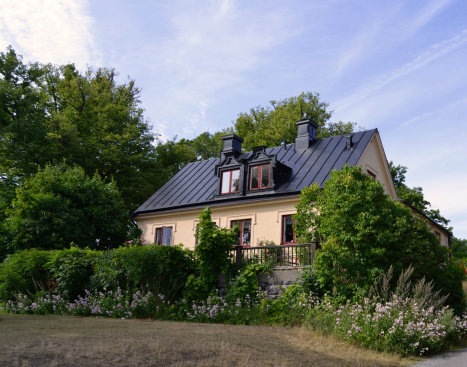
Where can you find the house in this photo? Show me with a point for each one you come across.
(257, 190)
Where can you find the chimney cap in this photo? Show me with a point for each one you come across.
(306, 120)
(232, 137)
(306, 133)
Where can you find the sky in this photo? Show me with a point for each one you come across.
(396, 65)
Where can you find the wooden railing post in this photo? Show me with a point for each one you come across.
(238, 255)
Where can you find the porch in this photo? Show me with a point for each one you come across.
(280, 257)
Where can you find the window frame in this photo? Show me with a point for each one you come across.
(260, 170)
(229, 171)
(161, 231)
(233, 222)
(371, 174)
(294, 241)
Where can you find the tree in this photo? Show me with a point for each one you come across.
(363, 232)
(50, 113)
(61, 205)
(459, 248)
(414, 196)
(273, 124)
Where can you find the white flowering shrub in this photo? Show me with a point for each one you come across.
(398, 326)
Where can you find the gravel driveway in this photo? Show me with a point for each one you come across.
(457, 358)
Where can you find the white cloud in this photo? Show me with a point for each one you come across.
(49, 31)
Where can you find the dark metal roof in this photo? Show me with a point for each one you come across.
(196, 183)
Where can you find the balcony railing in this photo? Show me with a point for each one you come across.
(278, 256)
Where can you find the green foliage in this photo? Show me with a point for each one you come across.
(414, 196)
(212, 254)
(60, 205)
(161, 269)
(289, 309)
(72, 270)
(305, 219)
(50, 113)
(245, 284)
(172, 155)
(459, 248)
(309, 282)
(24, 272)
(448, 278)
(363, 232)
(271, 125)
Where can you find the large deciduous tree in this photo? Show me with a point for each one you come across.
(61, 205)
(48, 114)
(272, 125)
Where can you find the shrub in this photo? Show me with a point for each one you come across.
(309, 281)
(72, 270)
(60, 205)
(363, 232)
(245, 284)
(161, 269)
(24, 272)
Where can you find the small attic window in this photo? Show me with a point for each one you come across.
(371, 174)
(230, 182)
(259, 177)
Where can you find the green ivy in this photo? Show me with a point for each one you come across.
(246, 283)
(212, 255)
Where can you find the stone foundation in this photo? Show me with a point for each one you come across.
(272, 284)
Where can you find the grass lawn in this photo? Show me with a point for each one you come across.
(28, 340)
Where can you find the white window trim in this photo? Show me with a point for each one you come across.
(170, 224)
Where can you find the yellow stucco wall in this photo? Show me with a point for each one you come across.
(374, 160)
(265, 216)
(443, 237)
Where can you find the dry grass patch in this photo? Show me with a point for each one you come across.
(28, 340)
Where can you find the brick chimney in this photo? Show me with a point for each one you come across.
(306, 133)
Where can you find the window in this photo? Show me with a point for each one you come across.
(288, 235)
(438, 235)
(163, 236)
(259, 177)
(371, 174)
(244, 238)
(230, 182)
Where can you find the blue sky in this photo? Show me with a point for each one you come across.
(399, 66)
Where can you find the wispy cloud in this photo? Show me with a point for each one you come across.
(210, 50)
(432, 8)
(430, 54)
(424, 116)
(49, 31)
(373, 31)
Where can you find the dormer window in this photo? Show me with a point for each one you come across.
(230, 182)
(259, 177)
